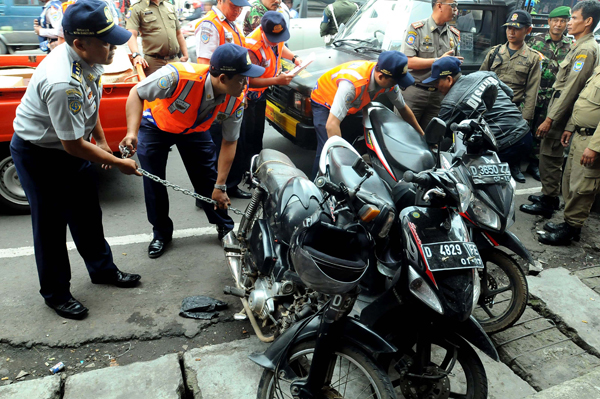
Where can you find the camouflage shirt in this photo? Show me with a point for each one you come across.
(553, 53)
(255, 14)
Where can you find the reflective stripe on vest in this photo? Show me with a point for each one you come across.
(223, 26)
(266, 57)
(180, 113)
(356, 72)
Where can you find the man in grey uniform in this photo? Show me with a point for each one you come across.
(425, 42)
(52, 153)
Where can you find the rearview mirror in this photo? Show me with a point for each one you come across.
(435, 131)
(360, 167)
(489, 96)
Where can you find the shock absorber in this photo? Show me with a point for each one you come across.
(257, 196)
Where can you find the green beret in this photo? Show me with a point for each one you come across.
(560, 12)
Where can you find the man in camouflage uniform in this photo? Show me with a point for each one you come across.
(554, 46)
(259, 8)
(573, 72)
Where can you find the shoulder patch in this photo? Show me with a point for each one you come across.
(239, 112)
(455, 31)
(411, 37)
(74, 104)
(417, 25)
(76, 72)
(578, 66)
(163, 82)
(581, 56)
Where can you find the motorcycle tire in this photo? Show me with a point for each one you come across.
(359, 367)
(510, 299)
(453, 356)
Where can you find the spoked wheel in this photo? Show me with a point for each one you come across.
(504, 292)
(454, 371)
(355, 376)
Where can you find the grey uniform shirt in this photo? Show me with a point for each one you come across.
(61, 101)
(346, 92)
(150, 89)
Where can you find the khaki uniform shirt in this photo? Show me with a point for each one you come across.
(586, 111)
(424, 39)
(158, 25)
(522, 73)
(574, 71)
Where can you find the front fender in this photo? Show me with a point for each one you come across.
(354, 333)
(508, 240)
(473, 332)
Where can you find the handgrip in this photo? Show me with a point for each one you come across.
(420, 179)
(327, 186)
(461, 128)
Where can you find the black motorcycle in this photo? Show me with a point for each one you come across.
(395, 147)
(426, 283)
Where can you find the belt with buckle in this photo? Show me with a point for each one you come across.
(585, 131)
(158, 57)
(423, 87)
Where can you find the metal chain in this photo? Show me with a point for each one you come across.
(125, 152)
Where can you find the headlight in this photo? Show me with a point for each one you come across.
(485, 215)
(387, 225)
(464, 196)
(476, 287)
(423, 291)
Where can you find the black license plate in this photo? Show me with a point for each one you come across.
(490, 173)
(452, 255)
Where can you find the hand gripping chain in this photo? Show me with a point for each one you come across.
(125, 154)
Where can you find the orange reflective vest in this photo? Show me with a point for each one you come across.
(180, 112)
(266, 56)
(356, 72)
(227, 34)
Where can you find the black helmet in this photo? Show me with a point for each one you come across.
(329, 259)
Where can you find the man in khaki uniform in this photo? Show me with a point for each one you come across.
(519, 67)
(162, 39)
(574, 71)
(581, 180)
(425, 42)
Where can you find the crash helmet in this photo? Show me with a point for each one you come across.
(329, 259)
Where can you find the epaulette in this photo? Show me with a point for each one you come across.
(417, 25)
(455, 31)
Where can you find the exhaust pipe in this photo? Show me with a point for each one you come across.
(233, 254)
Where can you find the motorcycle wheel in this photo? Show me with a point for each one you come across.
(504, 292)
(355, 376)
(465, 375)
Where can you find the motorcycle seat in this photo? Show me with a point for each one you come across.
(404, 148)
(274, 169)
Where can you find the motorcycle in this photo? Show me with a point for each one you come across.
(395, 147)
(294, 271)
(426, 280)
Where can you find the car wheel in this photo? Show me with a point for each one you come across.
(12, 195)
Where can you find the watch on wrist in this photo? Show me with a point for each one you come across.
(294, 58)
(134, 55)
(222, 187)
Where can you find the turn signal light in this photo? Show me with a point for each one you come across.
(368, 212)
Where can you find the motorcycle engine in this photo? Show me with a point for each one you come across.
(261, 298)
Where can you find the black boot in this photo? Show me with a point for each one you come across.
(562, 236)
(552, 227)
(538, 198)
(534, 171)
(515, 171)
(545, 207)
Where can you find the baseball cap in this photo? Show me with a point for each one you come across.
(274, 26)
(560, 12)
(241, 3)
(231, 58)
(519, 19)
(444, 66)
(92, 18)
(395, 65)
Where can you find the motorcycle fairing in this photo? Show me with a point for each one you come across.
(333, 141)
(472, 331)
(507, 239)
(353, 331)
(397, 144)
(261, 247)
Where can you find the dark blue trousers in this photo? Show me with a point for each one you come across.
(351, 128)
(200, 159)
(517, 152)
(238, 167)
(61, 190)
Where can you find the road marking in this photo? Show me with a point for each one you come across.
(115, 241)
(526, 191)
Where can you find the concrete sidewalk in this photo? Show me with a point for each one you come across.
(212, 372)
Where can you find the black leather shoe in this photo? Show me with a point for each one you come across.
(562, 236)
(72, 309)
(554, 201)
(157, 248)
(552, 227)
(222, 231)
(534, 171)
(515, 171)
(120, 279)
(236, 192)
(538, 208)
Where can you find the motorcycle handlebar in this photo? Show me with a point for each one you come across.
(326, 185)
(461, 128)
(420, 178)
